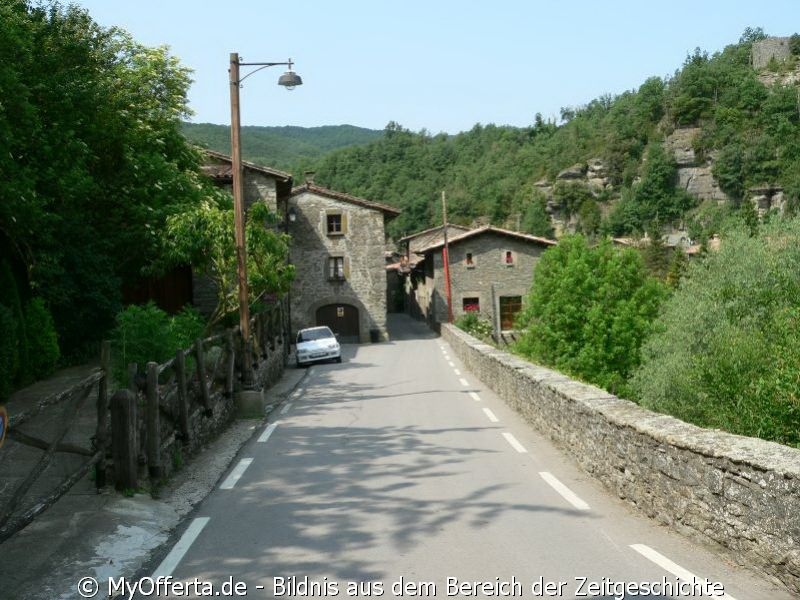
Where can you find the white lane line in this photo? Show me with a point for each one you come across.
(267, 432)
(450, 362)
(565, 492)
(237, 472)
(475, 396)
(297, 393)
(464, 381)
(666, 564)
(514, 443)
(457, 372)
(490, 414)
(286, 408)
(175, 555)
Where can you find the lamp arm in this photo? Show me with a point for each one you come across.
(261, 67)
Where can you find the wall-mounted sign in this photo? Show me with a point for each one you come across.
(340, 311)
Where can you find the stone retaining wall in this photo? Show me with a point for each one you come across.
(738, 493)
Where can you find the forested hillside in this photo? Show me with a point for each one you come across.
(744, 125)
(280, 147)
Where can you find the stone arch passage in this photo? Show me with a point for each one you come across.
(343, 319)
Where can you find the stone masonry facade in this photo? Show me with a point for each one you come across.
(480, 269)
(738, 494)
(361, 281)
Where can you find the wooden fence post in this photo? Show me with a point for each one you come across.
(133, 370)
(124, 445)
(101, 435)
(183, 404)
(230, 371)
(153, 423)
(201, 375)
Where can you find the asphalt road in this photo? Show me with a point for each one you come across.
(399, 466)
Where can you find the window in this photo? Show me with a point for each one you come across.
(336, 268)
(469, 260)
(509, 307)
(471, 304)
(336, 224)
(508, 258)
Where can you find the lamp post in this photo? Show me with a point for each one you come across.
(289, 80)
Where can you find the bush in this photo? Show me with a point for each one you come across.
(473, 324)
(727, 346)
(146, 333)
(43, 351)
(9, 297)
(8, 352)
(589, 310)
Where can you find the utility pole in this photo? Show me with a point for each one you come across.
(446, 260)
(238, 219)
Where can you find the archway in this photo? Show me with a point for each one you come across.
(342, 319)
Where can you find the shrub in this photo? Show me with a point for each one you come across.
(8, 352)
(43, 351)
(146, 333)
(589, 310)
(473, 324)
(727, 346)
(9, 297)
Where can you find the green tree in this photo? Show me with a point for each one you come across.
(589, 310)
(93, 159)
(204, 237)
(725, 350)
(536, 219)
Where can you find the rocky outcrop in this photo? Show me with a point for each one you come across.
(693, 176)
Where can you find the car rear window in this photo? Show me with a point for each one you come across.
(314, 334)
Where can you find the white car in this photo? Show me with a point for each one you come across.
(317, 343)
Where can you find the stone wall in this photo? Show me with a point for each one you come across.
(489, 269)
(362, 247)
(739, 494)
(767, 49)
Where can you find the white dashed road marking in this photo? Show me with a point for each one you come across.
(175, 555)
(565, 492)
(666, 564)
(286, 408)
(457, 372)
(267, 432)
(514, 443)
(236, 474)
(491, 416)
(475, 396)
(464, 381)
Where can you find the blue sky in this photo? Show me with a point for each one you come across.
(439, 65)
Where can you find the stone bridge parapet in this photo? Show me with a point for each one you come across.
(736, 493)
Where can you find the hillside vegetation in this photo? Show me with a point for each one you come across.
(280, 147)
(748, 132)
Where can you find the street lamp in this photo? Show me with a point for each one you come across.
(289, 80)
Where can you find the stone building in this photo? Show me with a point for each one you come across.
(491, 272)
(338, 249)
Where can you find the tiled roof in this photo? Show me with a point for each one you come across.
(223, 171)
(489, 229)
(432, 230)
(316, 189)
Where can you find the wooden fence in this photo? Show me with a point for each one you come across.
(154, 424)
(179, 404)
(14, 512)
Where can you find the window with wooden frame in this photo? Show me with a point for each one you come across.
(509, 258)
(336, 270)
(469, 260)
(510, 306)
(335, 223)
